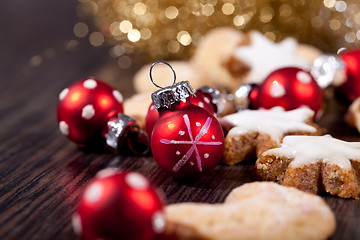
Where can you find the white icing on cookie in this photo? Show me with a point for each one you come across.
(264, 56)
(312, 149)
(275, 122)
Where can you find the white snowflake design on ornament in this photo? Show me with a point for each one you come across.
(193, 142)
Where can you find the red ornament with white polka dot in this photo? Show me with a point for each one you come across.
(90, 113)
(289, 88)
(119, 205)
(186, 140)
(351, 86)
(200, 99)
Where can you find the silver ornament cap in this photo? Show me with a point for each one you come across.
(328, 70)
(126, 137)
(241, 96)
(166, 97)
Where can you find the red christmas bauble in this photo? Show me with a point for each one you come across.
(351, 87)
(84, 109)
(289, 88)
(186, 140)
(119, 205)
(200, 99)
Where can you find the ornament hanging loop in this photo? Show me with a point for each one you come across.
(151, 68)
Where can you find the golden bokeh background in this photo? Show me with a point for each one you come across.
(171, 29)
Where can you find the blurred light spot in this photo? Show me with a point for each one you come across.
(239, 20)
(173, 46)
(184, 38)
(96, 39)
(49, 53)
(334, 24)
(117, 51)
(184, 13)
(266, 14)
(124, 62)
(139, 9)
(358, 34)
(357, 18)
(350, 37)
(228, 8)
(115, 28)
(207, 10)
(35, 60)
(145, 33)
(340, 6)
(317, 22)
(329, 3)
(71, 45)
(81, 29)
(134, 35)
(270, 35)
(126, 26)
(171, 12)
(285, 10)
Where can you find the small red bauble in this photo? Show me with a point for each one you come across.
(288, 87)
(351, 87)
(119, 205)
(200, 99)
(186, 140)
(84, 109)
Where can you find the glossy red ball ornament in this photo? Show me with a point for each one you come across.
(84, 109)
(351, 87)
(200, 99)
(186, 140)
(289, 88)
(119, 205)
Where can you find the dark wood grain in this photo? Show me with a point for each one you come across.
(42, 173)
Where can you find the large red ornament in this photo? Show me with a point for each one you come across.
(186, 140)
(200, 99)
(90, 112)
(289, 88)
(351, 87)
(119, 205)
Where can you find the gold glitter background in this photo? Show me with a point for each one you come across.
(161, 29)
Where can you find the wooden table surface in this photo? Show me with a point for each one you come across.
(41, 172)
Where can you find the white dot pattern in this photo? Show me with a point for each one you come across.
(94, 192)
(158, 222)
(118, 96)
(177, 153)
(198, 124)
(181, 133)
(76, 224)
(107, 172)
(90, 84)
(136, 180)
(201, 104)
(303, 77)
(63, 94)
(88, 111)
(207, 100)
(64, 128)
(206, 155)
(277, 90)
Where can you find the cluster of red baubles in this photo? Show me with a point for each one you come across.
(186, 141)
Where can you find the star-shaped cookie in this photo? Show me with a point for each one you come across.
(255, 131)
(264, 56)
(314, 164)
